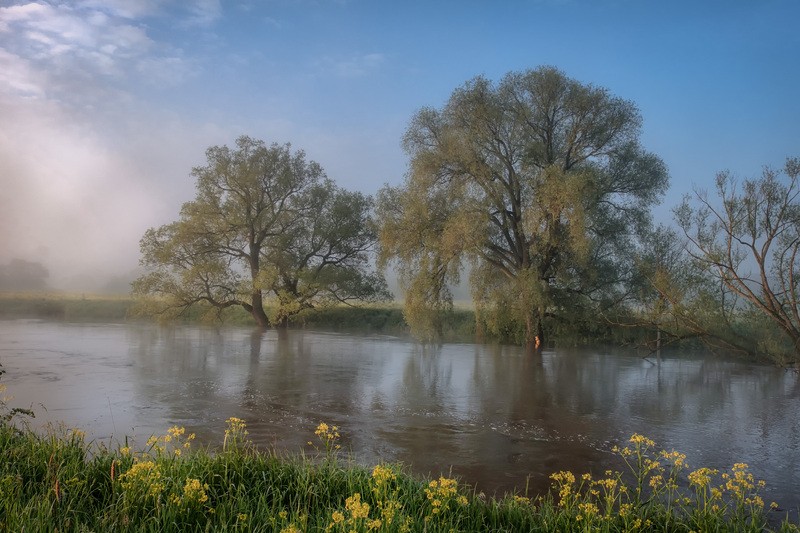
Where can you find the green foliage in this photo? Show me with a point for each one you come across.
(265, 224)
(58, 482)
(538, 183)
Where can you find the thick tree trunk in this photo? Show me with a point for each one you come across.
(258, 310)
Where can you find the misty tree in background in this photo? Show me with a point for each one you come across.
(748, 240)
(267, 230)
(22, 275)
(539, 183)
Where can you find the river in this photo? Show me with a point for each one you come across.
(495, 416)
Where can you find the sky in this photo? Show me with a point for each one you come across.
(106, 105)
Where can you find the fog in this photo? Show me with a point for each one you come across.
(94, 149)
(77, 203)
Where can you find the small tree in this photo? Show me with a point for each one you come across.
(265, 224)
(749, 241)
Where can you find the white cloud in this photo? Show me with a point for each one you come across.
(204, 12)
(18, 78)
(70, 45)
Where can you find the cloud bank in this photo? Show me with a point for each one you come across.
(85, 165)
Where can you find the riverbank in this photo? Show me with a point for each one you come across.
(458, 325)
(59, 482)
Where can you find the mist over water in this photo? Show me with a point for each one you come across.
(493, 415)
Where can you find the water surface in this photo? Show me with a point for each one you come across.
(495, 416)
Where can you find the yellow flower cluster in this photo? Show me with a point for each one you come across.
(701, 477)
(382, 475)
(235, 434)
(656, 482)
(387, 512)
(143, 478)
(328, 435)
(357, 508)
(194, 491)
(440, 492)
(677, 459)
(641, 440)
(173, 438)
(564, 482)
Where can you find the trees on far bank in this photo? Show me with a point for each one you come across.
(537, 186)
(266, 227)
(539, 183)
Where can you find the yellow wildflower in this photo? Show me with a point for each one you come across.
(588, 509)
(382, 474)
(357, 508)
(701, 477)
(193, 491)
(641, 440)
(676, 458)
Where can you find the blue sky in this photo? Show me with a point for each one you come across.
(106, 105)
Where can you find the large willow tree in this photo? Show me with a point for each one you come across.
(539, 183)
(266, 227)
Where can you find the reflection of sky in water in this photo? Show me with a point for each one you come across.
(492, 414)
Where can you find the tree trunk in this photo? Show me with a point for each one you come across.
(534, 333)
(258, 310)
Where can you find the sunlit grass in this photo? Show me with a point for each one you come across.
(58, 481)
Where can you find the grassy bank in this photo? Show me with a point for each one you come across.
(58, 306)
(386, 318)
(58, 482)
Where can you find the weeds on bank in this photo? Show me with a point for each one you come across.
(54, 481)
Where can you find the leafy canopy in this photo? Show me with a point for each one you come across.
(265, 223)
(538, 182)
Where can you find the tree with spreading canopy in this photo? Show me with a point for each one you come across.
(747, 240)
(266, 227)
(539, 183)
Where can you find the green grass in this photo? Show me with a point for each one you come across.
(57, 306)
(56, 481)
